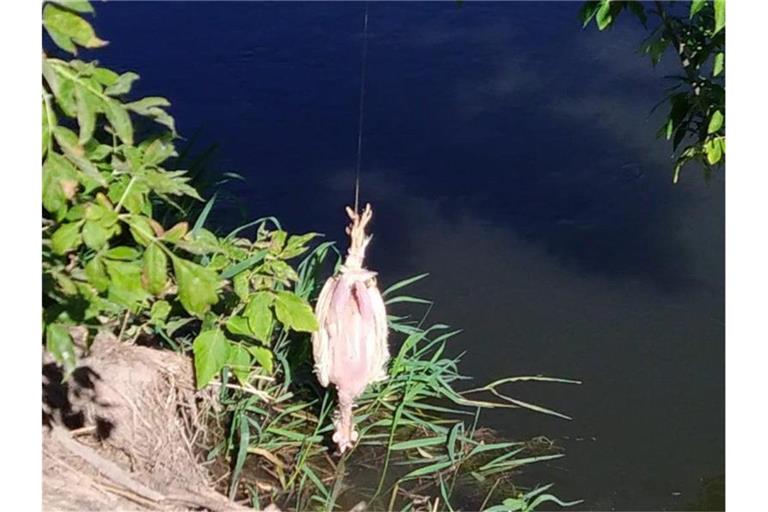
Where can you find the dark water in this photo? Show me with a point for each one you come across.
(511, 155)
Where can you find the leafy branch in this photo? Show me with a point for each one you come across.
(696, 120)
(108, 263)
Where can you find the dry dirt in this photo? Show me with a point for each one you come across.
(122, 433)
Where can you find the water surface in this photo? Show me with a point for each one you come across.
(511, 155)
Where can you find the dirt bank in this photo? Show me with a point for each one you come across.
(123, 433)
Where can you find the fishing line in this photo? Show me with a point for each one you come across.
(364, 61)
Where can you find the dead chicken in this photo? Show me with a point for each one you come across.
(350, 348)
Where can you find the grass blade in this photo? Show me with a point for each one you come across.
(200, 222)
(403, 283)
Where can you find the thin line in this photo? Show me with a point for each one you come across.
(362, 104)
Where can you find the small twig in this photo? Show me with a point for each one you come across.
(82, 431)
(247, 389)
(125, 324)
(393, 496)
(490, 493)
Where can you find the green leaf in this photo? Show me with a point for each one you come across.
(696, 6)
(155, 269)
(67, 238)
(120, 120)
(715, 122)
(159, 312)
(162, 117)
(94, 271)
(49, 123)
(93, 211)
(51, 77)
(177, 232)
(141, 229)
(59, 182)
(719, 64)
(587, 12)
(668, 129)
(158, 151)
(296, 245)
(678, 166)
(125, 284)
(144, 105)
(241, 286)
(76, 5)
(278, 241)
(122, 84)
(67, 140)
(259, 315)
(77, 212)
(54, 199)
(153, 107)
(59, 344)
(170, 182)
(198, 286)
(295, 312)
(239, 361)
(66, 28)
(719, 15)
(105, 76)
(282, 271)
(62, 41)
(65, 95)
(656, 48)
(239, 325)
(88, 105)
(713, 150)
(109, 220)
(211, 350)
(199, 247)
(95, 235)
(66, 284)
(263, 356)
(123, 253)
(132, 158)
(603, 16)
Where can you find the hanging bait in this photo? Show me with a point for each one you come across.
(350, 348)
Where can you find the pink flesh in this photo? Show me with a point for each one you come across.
(354, 320)
(352, 314)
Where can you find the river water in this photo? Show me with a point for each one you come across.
(511, 155)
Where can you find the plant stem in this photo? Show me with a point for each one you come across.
(125, 194)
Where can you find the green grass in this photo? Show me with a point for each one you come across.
(421, 441)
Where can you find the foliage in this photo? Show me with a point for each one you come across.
(695, 32)
(529, 501)
(108, 262)
(420, 438)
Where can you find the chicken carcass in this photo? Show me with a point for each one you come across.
(350, 348)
